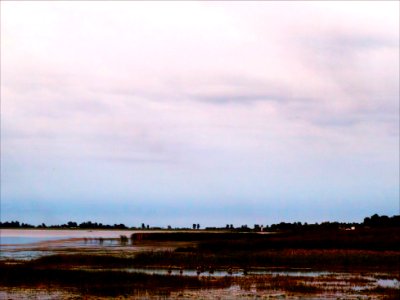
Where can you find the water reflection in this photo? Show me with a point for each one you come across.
(31, 244)
(226, 272)
(34, 247)
(372, 279)
(388, 283)
(20, 240)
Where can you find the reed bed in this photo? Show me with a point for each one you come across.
(360, 260)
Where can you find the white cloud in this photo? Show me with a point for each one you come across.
(274, 91)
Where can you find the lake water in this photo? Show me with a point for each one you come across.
(33, 243)
(17, 236)
(20, 240)
(224, 272)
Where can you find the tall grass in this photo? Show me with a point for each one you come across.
(291, 258)
(106, 283)
(362, 239)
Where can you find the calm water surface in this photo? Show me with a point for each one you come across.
(20, 240)
(31, 243)
(39, 235)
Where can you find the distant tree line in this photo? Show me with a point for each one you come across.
(69, 225)
(15, 224)
(374, 221)
(369, 222)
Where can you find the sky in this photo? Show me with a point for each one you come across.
(174, 113)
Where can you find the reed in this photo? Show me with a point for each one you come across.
(104, 283)
(294, 258)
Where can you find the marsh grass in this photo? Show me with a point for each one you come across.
(361, 239)
(106, 283)
(387, 292)
(117, 283)
(71, 260)
(294, 284)
(317, 259)
(89, 274)
(334, 249)
(123, 239)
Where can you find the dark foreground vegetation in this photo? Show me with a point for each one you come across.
(361, 239)
(104, 283)
(328, 260)
(104, 276)
(372, 248)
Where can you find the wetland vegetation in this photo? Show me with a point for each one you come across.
(307, 261)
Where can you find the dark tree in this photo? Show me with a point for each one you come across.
(72, 224)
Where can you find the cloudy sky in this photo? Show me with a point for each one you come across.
(171, 113)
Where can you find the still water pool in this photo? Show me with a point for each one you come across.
(20, 240)
(33, 243)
